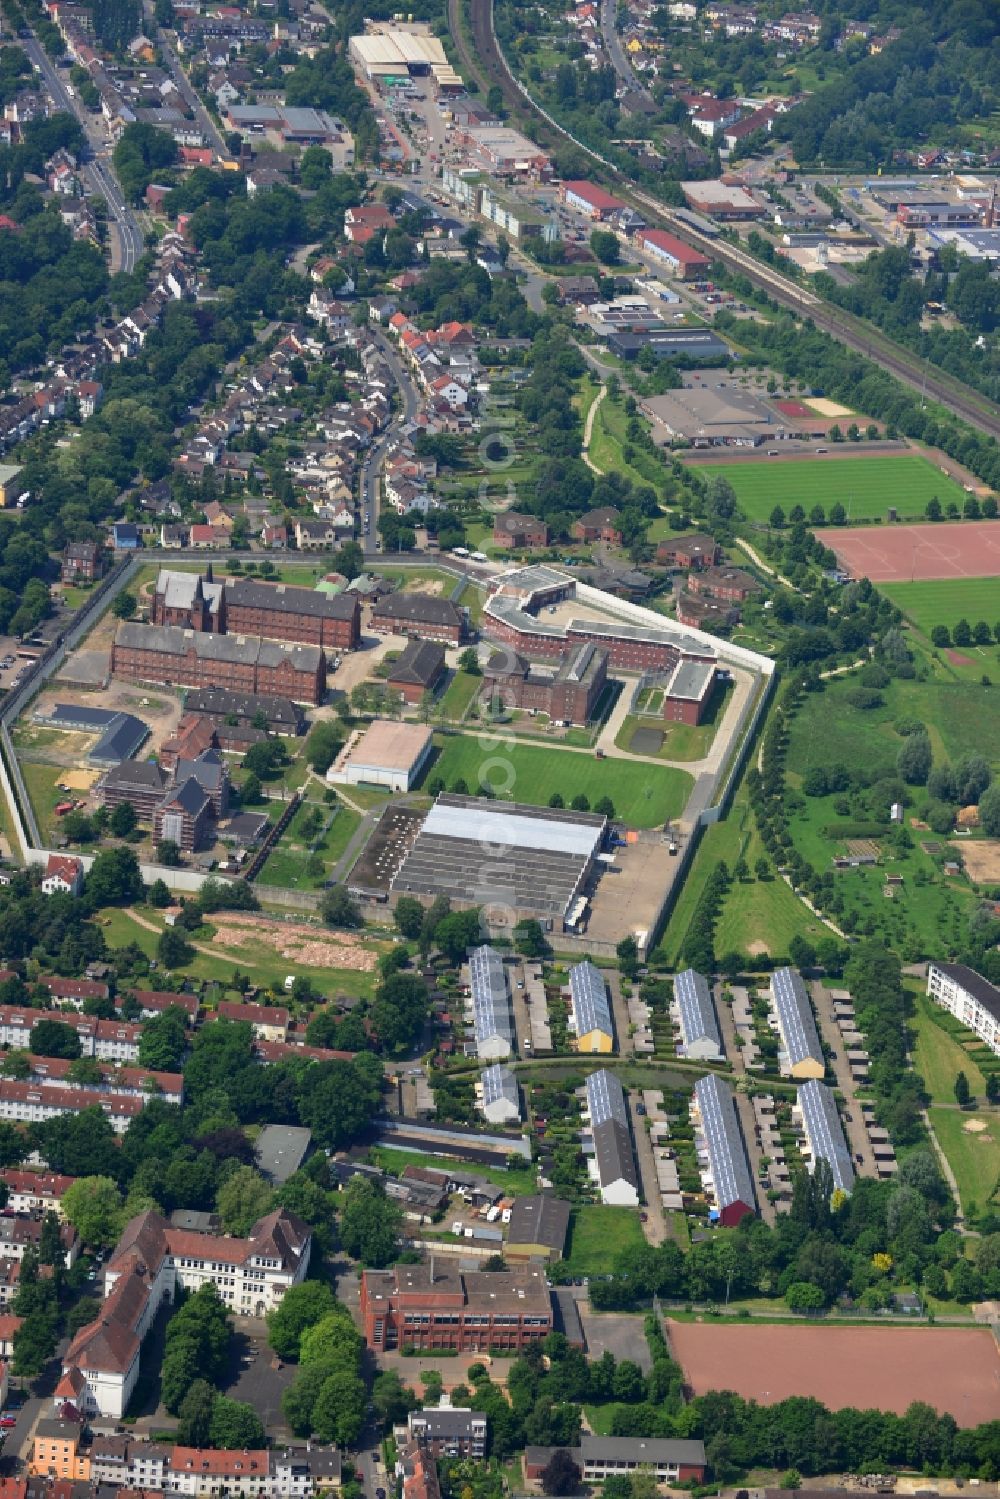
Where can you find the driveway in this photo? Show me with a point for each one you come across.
(854, 1127)
(655, 1226)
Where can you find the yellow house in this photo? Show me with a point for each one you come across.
(9, 488)
(590, 1012)
(800, 1043)
(56, 1451)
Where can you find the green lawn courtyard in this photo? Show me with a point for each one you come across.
(866, 487)
(643, 795)
(971, 1141)
(597, 1235)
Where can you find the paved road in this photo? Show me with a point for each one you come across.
(97, 172)
(655, 1226)
(206, 124)
(372, 467)
(616, 51)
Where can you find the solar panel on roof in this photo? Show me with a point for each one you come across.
(490, 1006)
(606, 1099)
(724, 1142)
(825, 1133)
(499, 1083)
(588, 992)
(795, 1017)
(697, 1012)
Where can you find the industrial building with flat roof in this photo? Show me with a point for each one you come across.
(613, 1161)
(501, 1098)
(801, 1053)
(390, 50)
(689, 691)
(590, 1010)
(120, 735)
(384, 754)
(697, 1021)
(516, 861)
(722, 1151)
(720, 416)
(490, 1003)
(824, 1133)
(538, 1228)
(720, 200)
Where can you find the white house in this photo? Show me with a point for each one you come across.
(969, 997)
(63, 875)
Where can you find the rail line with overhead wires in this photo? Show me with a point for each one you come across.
(489, 61)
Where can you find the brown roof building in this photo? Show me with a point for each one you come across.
(731, 584)
(436, 1306)
(420, 615)
(689, 552)
(418, 670)
(511, 529)
(602, 524)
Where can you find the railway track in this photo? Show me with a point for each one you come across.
(489, 62)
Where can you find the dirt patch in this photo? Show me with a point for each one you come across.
(974, 1126)
(425, 585)
(981, 857)
(757, 949)
(298, 943)
(957, 659)
(952, 1369)
(823, 407)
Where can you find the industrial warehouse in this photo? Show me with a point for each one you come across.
(516, 861)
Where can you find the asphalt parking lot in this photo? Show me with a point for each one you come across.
(254, 1377)
(620, 1333)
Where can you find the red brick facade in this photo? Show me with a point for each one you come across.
(414, 1306)
(514, 530)
(188, 669)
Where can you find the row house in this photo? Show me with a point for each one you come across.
(32, 1102)
(20, 1232)
(35, 1191)
(126, 1082)
(126, 1465)
(107, 1040)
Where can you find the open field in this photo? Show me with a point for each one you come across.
(597, 1234)
(981, 857)
(265, 950)
(866, 486)
(946, 601)
(459, 693)
(945, 551)
(882, 1368)
(971, 1141)
(643, 795)
(939, 1056)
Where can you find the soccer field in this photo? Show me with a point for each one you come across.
(643, 795)
(946, 601)
(866, 487)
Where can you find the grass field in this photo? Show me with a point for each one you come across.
(643, 795)
(682, 741)
(597, 1235)
(521, 1183)
(459, 694)
(939, 1057)
(946, 601)
(974, 1154)
(866, 487)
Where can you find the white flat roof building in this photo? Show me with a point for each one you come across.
(385, 754)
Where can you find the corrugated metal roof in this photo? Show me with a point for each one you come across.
(795, 1017)
(496, 824)
(825, 1133)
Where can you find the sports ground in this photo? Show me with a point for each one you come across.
(907, 554)
(954, 1369)
(945, 603)
(867, 487)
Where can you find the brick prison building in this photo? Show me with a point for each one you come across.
(420, 615)
(170, 656)
(436, 1306)
(244, 606)
(568, 692)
